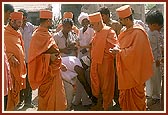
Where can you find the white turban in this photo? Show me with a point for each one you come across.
(82, 16)
(86, 60)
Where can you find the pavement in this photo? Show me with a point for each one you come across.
(155, 107)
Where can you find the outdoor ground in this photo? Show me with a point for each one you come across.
(155, 107)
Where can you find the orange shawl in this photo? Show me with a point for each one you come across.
(44, 75)
(14, 46)
(134, 62)
(102, 66)
(99, 44)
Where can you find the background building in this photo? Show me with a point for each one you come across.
(33, 10)
(140, 10)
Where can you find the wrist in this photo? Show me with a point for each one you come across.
(11, 56)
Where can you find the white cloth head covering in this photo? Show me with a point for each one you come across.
(86, 60)
(82, 16)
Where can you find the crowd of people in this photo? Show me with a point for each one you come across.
(102, 64)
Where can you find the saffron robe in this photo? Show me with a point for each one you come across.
(15, 47)
(45, 75)
(102, 66)
(134, 67)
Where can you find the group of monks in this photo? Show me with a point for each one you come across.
(130, 49)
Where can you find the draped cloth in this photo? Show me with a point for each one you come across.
(15, 47)
(7, 76)
(134, 67)
(45, 75)
(102, 66)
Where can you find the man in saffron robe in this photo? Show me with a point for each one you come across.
(116, 26)
(44, 64)
(102, 65)
(134, 62)
(15, 54)
(8, 9)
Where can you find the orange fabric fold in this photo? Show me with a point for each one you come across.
(102, 66)
(44, 75)
(131, 61)
(128, 98)
(99, 43)
(14, 46)
(134, 67)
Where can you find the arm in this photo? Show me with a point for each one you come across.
(52, 50)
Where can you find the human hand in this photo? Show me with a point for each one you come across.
(14, 61)
(114, 50)
(53, 56)
(63, 67)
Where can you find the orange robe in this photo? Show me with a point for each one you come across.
(43, 75)
(14, 46)
(102, 66)
(115, 25)
(134, 67)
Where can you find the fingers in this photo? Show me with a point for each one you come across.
(63, 68)
(54, 56)
(113, 51)
(14, 61)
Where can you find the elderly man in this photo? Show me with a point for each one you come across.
(134, 62)
(15, 54)
(102, 66)
(44, 63)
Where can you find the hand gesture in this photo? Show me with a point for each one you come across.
(14, 61)
(63, 67)
(114, 50)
